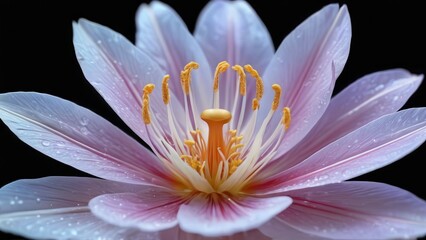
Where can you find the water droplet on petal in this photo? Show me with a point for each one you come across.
(84, 121)
(84, 131)
(45, 143)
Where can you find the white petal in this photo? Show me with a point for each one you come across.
(162, 35)
(78, 137)
(232, 31)
(306, 65)
(357, 210)
(150, 210)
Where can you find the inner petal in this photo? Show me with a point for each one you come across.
(219, 214)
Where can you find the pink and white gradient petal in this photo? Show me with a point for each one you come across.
(164, 37)
(367, 99)
(220, 215)
(118, 70)
(232, 31)
(278, 230)
(150, 210)
(356, 210)
(368, 148)
(80, 138)
(56, 208)
(306, 66)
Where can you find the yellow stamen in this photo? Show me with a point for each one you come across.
(234, 165)
(215, 118)
(232, 132)
(255, 104)
(276, 101)
(221, 67)
(145, 102)
(165, 89)
(185, 76)
(242, 78)
(259, 81)
(286, 117)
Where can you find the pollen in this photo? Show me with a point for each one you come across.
(145, 102)
(242, 79)
(221, 68)
(286, 117)
(165, 89)
(277, 96)
(259, 81)
(185, 76)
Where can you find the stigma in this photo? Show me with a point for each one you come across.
(225, 153)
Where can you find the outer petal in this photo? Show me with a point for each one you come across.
(277, 229)
(56, 208)
(372, 146)
(232, 31)
(367, 99)
(219, 215)
(162, 35)
(118, 70)
(150, 210)
(78, 137)
(357, 210)
(308, 63)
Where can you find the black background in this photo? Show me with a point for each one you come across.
(36, 54)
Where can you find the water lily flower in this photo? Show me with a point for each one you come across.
(244, 141)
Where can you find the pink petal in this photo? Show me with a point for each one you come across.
(370, 147)
(119, 71)
(232, 31)
(220, 215)
(306, 65)
(163, 36)
(177, 234)
(368, 98)
(56, 208)
(357, 210)
(150, 210)
(78, 137)
(277, 229)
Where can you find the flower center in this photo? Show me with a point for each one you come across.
(226, 161)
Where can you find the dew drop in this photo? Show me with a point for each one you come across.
(84, 131)
(84, 121)
(99, 42)
(379, 87)
(38, 199)
(45, 143)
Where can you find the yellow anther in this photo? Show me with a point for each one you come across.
(242, 78)
(221, 67)
(276, 101)
(165, 89)
(185, 76)
(235, 147)
(189, 143)
(187, 158)
(234, 165)
(259, 81)
(232, 132)
(145, 111)
(145, 102)
(255, 104)
(148, 89)
(286, 117)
